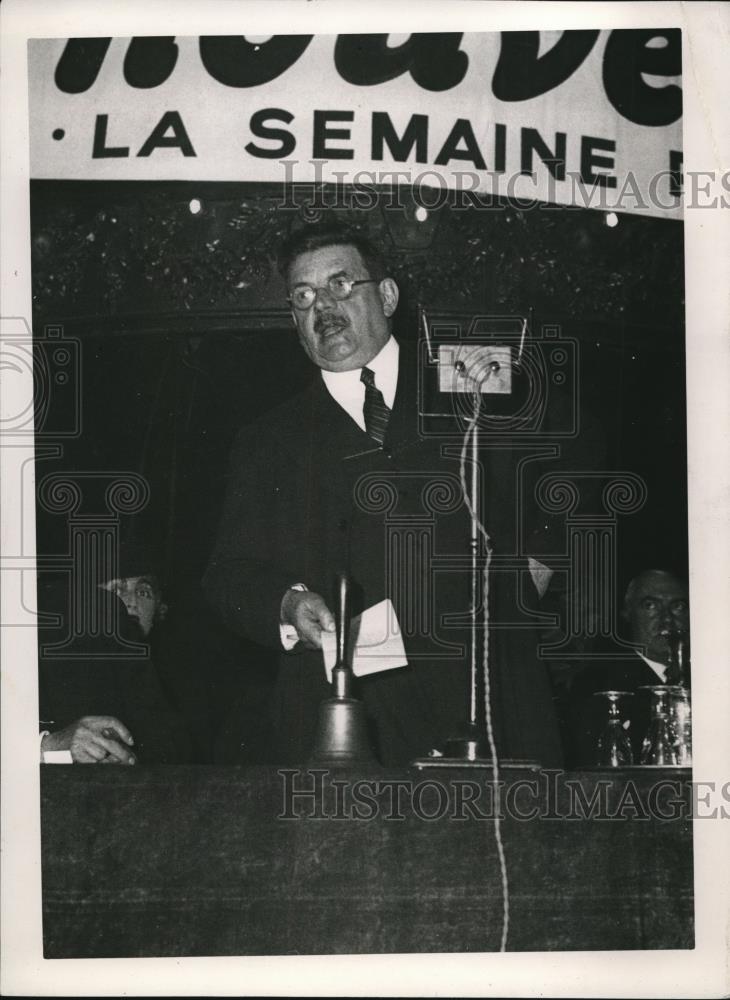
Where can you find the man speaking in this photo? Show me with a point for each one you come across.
(340, 478)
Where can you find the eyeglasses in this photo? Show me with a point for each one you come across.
(655, 604)
(339, 287)
(122, 589)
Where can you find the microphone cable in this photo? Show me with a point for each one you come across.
(471, 431)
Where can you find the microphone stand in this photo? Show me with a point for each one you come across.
(471, 745)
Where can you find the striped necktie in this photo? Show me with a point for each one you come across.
(374, 410)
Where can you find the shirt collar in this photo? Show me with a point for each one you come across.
(344, 386)
(659, 668)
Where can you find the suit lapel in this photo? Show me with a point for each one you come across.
(337, 432)
(403, 425)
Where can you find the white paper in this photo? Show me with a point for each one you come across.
(57, 757)
(374, 643)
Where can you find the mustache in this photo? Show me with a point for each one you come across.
(327, 321)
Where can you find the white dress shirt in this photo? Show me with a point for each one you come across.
(53, 756)
(347, 389)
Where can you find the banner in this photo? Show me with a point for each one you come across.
(585, 118)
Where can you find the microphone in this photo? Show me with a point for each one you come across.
(470, 368)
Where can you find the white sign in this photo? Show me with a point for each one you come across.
(586, 118)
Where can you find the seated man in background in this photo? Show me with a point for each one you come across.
(100, 695)
(655, 607)
(142, 598)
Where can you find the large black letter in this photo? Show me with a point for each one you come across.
(589, 159)
(80, 63)
(262, 131)
(158, 139)
(383, 134)
(100, 149)
(461, 132)
(532, 142)
(236, 62)
(321, 132)
(149, 61)
(521, 74)
(627, 56)
(434, 60)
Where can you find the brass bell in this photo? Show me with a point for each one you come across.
(342, 736)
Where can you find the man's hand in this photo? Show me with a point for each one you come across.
(308, 613)
(95, 739)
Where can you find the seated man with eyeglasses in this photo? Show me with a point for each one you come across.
(654, 616)
(101, 699)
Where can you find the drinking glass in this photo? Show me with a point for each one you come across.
(661, 743)
(681, 714)
(613, 748)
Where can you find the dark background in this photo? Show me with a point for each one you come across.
(185, 335)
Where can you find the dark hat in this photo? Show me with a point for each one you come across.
(133, 558)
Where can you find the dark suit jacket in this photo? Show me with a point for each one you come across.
(103, 674)
(310, 493)
(585, 715)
